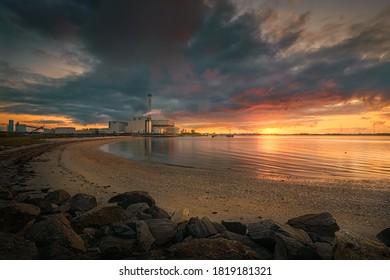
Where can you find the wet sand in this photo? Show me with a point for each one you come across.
(362, 206)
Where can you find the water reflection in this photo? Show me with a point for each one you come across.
(310, 156)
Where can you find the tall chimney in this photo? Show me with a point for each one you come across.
(149, 100)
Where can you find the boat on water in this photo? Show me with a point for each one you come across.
(230, 134)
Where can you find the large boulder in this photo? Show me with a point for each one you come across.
(82, 202)
(128, 198)
(200, 228)
(98, 217)
(163, 230)
(264, 232)
(262, 252)
(350, 246)
(320, 227)
(15, 216)
(211, 249)
(55, 229)
(144, 236)
(288, 248)
(15, 247)
(384, 236)
(236, 227)
(57, 197)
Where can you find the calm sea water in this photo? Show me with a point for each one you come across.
(345, 157)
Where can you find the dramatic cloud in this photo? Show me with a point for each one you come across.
(208, 63)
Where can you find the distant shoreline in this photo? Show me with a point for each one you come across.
(361, 206)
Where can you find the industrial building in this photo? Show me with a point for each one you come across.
(117, 126)
(147, 125)
(10, 127)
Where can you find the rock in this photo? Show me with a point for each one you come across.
(5, 194)
(288, 248)
(135, 210)
(45, 206)
(264, 232)
(163, 230)
(158, 213)
(219, 227)
(15, 216)
(113, 247)
(201, 228)
(144, 236)
(55, 229)
(262, 253)
(322, 225)
(82, 202)
(98, 217)
(350, 246)
(57, 197)
(15, 247)
(181, 216)
(128, 198)
(211, 249)
(23, 197)
(236, 227)
(384, 236)
(122, 230)
(324, 250)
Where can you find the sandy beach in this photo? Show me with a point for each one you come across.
(362, 206)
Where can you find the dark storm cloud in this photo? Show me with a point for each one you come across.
(51, 18)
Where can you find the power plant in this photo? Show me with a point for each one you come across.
(150, 123)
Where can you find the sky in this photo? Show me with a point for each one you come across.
(245, 66)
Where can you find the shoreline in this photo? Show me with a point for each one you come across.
(360, 206)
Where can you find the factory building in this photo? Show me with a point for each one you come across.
(10, 127)
(147, 125)
(20, 128)
(117, 126)
(64, 130)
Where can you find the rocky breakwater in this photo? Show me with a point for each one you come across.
(47, 224)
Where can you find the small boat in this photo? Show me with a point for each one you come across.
(229, 135)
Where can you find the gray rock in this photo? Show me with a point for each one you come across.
(135, 210)
(350, 246)
(321, 225)
(262, 252)
(158, 213)
(219, 227)
(15, 216)
(264, 232)
(23, 197)
(128, 198)
(55, 229)
(99, 217)
(122, 230)
(57, 197)
(5, 194)
(236, 227)
(113, 247)
(211, 249)
(288, 248)
(163, 230)
(384, 236)
(144, 236)
(15, 247)
(82, 202)
(200, 228)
